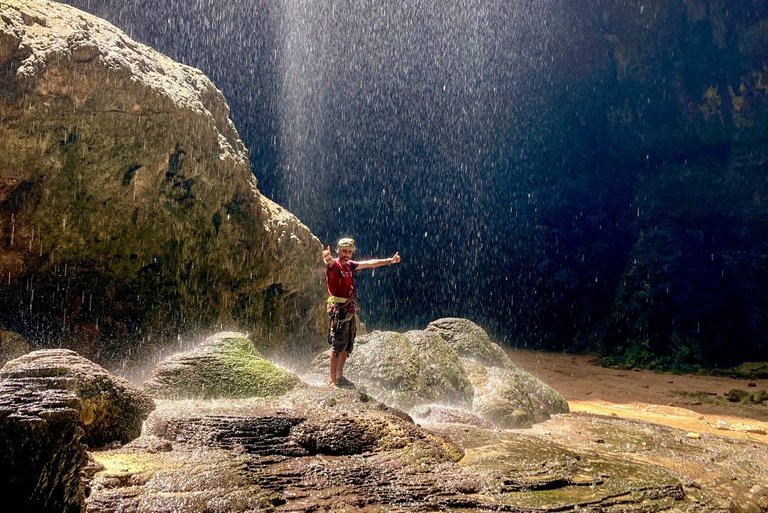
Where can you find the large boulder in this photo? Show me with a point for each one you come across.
(110, 408)
(505, 394)
(225, 365)
(406, 369)
(128, 211)
(451, 365)
(52, 403)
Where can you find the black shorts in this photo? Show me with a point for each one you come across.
(342, 332)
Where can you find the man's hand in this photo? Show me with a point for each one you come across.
(395, 258)
(327, 258)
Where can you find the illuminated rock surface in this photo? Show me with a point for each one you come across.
(128, 211)
(451, 363)
(225, 365)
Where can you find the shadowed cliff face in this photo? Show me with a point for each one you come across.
(572, 174)
(128, 213)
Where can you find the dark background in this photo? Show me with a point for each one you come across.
(572, 175)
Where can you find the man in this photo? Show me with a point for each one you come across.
(342, 302)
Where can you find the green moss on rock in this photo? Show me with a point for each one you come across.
(225, 365)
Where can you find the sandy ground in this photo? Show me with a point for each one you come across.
(694, 403)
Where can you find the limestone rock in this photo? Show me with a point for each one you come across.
(109, 408)
(306, 449)
(52, 403)
(406, 369)
(469, 340)
(12, 345)
(40, 448)
(452, 362)
(505, 394)
(225, 365)
(128, 211)
(323, 449)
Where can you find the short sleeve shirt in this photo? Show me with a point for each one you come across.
(339, 277)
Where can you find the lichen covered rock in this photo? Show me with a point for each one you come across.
(225, 365)
(406, 369)
(452, 363)
(504, 394)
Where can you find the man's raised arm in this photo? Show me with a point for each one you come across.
(378, 262)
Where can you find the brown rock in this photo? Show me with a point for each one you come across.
(52, 402)
(109, 408)
(128, 211)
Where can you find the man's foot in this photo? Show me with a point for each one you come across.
(332, 384)
(344, 382)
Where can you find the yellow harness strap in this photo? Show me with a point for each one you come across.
(337, 300)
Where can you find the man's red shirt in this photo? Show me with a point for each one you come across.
(340, 279)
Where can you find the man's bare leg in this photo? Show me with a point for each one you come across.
(342, 361)
(335, 361)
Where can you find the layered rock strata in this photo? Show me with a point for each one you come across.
(52, 403)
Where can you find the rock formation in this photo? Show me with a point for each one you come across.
(52, 403)
(110, 408)
(505, 395)
(322, 449)
(225, 365)
(451, 364)
(128, 212)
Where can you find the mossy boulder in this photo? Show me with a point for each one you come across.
(405, 369)
(225, 365)
(468, 340)
(452, 363)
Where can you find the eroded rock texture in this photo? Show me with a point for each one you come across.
(325, 449)
(128, 212)
(52, 403)
(110, 408)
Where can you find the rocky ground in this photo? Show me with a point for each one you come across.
(616, 451)
(214, 444)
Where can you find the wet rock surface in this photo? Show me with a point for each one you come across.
(109, 408)
(12, 345)
(129, 216)
(40, 448)
(225, 365)
(323, 449)
(451, 363)
(52, 403)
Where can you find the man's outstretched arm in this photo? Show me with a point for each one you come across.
(378, 262)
